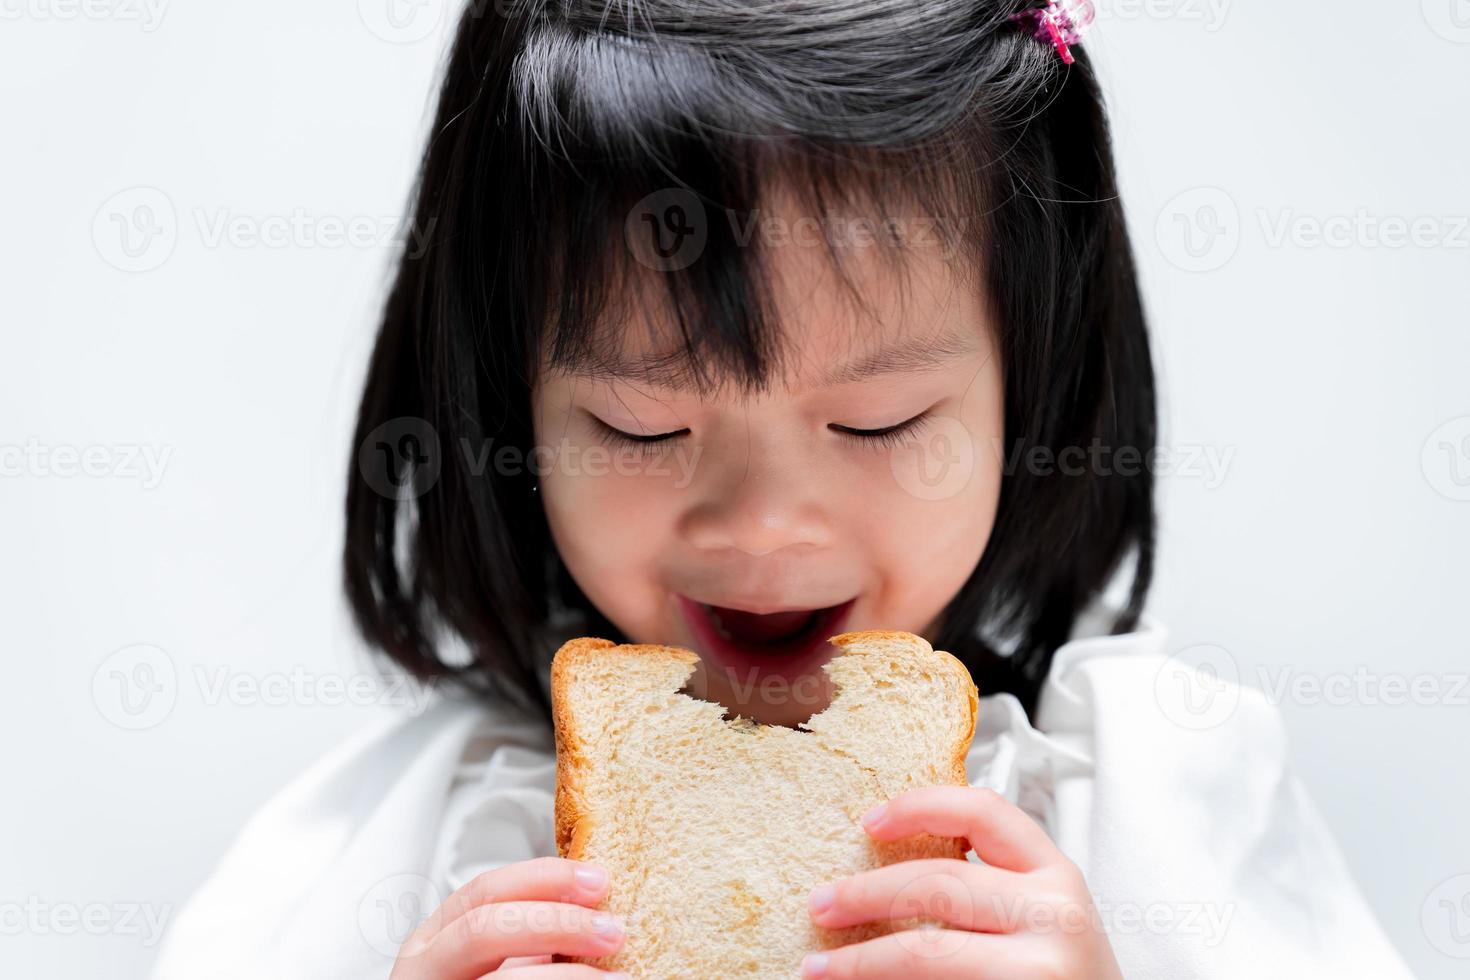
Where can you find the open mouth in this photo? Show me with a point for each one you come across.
(786, 642)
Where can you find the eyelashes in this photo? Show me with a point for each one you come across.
(884, 438)
(648, 445)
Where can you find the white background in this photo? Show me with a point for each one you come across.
(1323, 372)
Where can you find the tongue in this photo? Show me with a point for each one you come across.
(756, 628)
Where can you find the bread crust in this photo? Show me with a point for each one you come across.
(962, 748)
(574, 820)
(577, 750)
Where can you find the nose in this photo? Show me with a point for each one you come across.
(757, 500)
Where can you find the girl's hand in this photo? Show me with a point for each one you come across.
(511, 921)
(1025, 914)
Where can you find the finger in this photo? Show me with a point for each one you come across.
(558, 971)
(524, 961)
(481, 940)
(1000, 833)
(544, 879)
(935, 954)
(961, 894)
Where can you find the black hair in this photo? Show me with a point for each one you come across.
(558, 119)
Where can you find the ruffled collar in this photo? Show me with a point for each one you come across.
(1026, 762)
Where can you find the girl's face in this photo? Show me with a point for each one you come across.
(758, 526)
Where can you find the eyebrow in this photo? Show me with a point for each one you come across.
(910, 355)
(907, 356)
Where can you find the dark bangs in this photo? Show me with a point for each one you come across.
(584, 151)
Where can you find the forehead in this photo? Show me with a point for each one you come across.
(849, 293)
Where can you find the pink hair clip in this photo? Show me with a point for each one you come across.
(1061, 24)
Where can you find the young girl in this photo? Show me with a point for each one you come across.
(739, 325)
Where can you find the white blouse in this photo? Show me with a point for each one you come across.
(1204, 855)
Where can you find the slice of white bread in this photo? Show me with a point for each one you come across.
(713, 831)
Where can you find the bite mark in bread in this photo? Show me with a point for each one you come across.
(714, 831)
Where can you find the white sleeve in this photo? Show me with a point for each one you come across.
(1200, 845)
(326, 879)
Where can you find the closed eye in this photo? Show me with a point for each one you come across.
(889, 435)
(615, 436)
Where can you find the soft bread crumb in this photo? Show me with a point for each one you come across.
(714, 832)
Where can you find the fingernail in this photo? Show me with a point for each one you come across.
(814, 965)
(620, 975)
(874, 816)
(591, 878)
(606, 925)
(821, 899)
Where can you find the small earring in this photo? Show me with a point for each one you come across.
(535, 487)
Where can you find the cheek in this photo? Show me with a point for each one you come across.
(610, 529)
(582, 496)
(605, 511)
(928, 548)
(931, 514)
